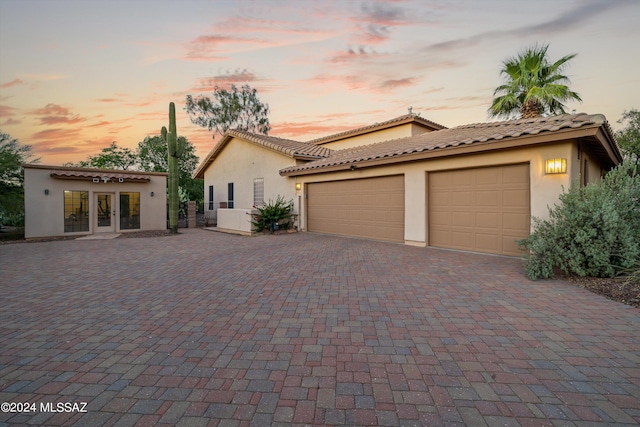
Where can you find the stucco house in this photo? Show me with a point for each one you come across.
(408, 180)
(68, 201)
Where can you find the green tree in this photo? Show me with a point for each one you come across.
(238, 109)
(533, 85)
(152, 157)
(111, 157)
(629, 137)
(12, 156)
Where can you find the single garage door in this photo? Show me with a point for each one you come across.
(372, 208)
(482, 209)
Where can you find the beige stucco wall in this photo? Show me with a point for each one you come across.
(402, 131)
(44, 213)
(236, 221)
(241, 162)
(545, 189)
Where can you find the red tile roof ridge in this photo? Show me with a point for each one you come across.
(363, 129)
(289, 146)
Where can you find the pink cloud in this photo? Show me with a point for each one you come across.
(302, 130)
(11, 83)
(225, 80)
(359, 54)
(10, 121)
(397, 83)
(52, 114)
(375, 22)
(100, 124)
(51, 137)
(341, 82)
(215, 47)
(6, 111)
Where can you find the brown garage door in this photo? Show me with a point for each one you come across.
(371, 208)
(482, 209)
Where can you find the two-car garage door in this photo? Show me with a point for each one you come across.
(480, 209)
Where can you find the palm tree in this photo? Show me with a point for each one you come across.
(533, 85)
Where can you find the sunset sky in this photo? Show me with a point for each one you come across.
(77, 75)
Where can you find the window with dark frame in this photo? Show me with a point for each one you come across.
(130, 211)
(76, 211)
(211, 197)
(230, 195)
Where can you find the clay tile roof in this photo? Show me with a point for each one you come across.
(478, 133)
(288, 147)
(100, 174)
(407, 118)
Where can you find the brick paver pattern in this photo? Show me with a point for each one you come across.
(205, 328)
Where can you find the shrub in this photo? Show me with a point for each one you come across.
(594, 231)
(272, 213)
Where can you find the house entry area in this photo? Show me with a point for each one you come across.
(105, 213)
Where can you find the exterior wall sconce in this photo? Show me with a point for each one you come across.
(555, 166)
(298, 186)
(152, 193)
(46, 191)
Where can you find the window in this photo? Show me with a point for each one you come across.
(258, 192)
(129, 211)
(211, 197)
(230, 195)
(76, 211)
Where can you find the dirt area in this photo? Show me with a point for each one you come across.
(622, 289)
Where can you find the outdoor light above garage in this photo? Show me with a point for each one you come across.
(555, 166)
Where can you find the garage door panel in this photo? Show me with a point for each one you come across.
(371, 208)
(487, 220)
(487, 209)
(517, 198)
(487, 242)
(509, 243)
(486, 177)
(463, 178)
(486, 198)
(461, 198)
(461, 238)
(515, 221)
(515, 175)
(462, 219)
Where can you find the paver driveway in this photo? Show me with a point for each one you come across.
(205, 328)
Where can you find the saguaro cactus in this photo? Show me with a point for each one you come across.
(175, 149)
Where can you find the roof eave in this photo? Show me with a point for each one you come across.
(491, 145)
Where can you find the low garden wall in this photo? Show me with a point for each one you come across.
(236, 221)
